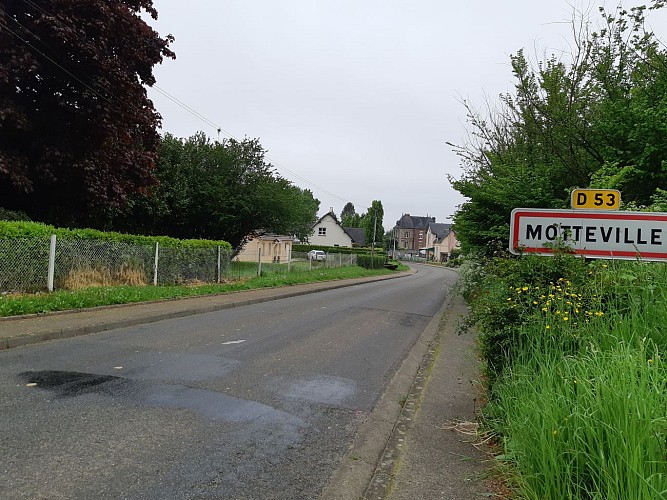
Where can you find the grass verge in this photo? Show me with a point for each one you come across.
(15, 305)
(577, 380)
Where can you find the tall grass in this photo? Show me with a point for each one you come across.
(578, 394)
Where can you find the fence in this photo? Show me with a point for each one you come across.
(39, 263)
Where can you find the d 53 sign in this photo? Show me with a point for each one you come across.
(595, 234)
(596, 199)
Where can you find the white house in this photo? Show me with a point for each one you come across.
(328, 232)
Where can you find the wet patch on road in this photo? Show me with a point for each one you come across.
(71, 384)
(326, 390)
(209, 404)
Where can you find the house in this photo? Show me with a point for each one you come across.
(445, 245)
(358, 235)
(273, 247)
(327, 231)
(440, 241)
(411, 233)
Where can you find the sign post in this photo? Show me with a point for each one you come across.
(592, 233)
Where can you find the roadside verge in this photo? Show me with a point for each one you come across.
(421, 440)
(17, 331)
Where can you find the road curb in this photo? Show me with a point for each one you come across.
(62, 332)
(377, 435)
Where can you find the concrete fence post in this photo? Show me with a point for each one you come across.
(218, 277)
(157, 258)
(52, 264)
(259, 262)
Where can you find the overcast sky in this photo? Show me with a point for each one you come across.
(354, 100)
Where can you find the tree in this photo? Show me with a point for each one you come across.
(78, 129)
(218, 190)
(594, 121)
(372, 223)
(348, 211)
(349, 216)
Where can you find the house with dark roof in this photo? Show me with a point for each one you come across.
(327, 231)
(358, 235)
(440, 241)
(411, 233)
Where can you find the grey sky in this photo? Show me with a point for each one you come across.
(356, 97)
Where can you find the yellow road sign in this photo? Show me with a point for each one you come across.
(596, 199)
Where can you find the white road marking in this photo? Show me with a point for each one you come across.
(233, 342)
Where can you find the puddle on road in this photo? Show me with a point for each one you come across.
(326, 390)
(216, 405)
(71, 384)
(209, 404)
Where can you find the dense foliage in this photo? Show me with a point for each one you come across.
(371, 221)
(594, 121)
(329, 249)
(218, 190)
(10, 230)
(78, 129)
(575, 354)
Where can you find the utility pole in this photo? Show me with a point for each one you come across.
(375, 221)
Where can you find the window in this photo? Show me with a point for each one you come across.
(421, 236)
(322, 231)
(407, 234)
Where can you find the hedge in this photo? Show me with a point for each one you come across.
(343, 250)
(371, 262)
(23, 229)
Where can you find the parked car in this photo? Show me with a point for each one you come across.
(317, 255)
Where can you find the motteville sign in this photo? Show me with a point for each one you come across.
(592, 233)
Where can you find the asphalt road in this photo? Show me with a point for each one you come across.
(259, 401)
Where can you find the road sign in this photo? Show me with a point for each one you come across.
(596, 199)
(595, 234)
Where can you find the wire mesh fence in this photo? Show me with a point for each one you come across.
(24, 264)
(29, 264)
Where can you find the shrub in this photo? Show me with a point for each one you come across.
(371, 262)
(329, 249)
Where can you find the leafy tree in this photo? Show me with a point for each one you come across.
(348, 210)
(372, 223)
(594, 121)
(349, 216)
(218, 190)
(78, 129)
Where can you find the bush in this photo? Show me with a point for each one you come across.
(11, 215)
(343, 250)
(10, 230)
(371, 262)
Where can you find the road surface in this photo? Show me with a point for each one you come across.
(259, 401)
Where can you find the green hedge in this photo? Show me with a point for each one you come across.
(329, 249)
(9, 230)
(371, 262)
